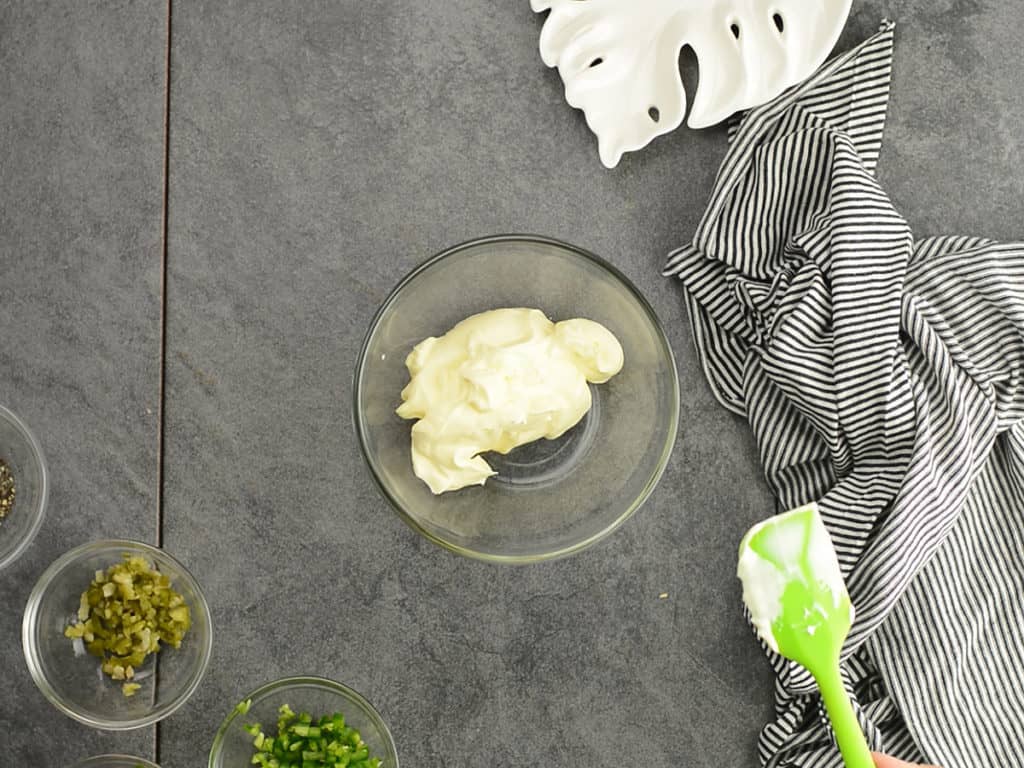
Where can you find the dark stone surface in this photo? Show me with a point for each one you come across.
(81, 154)
(320, 150)
(317, 155)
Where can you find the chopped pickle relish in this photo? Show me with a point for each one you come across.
(125, 615)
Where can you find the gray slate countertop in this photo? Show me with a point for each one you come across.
(188, 368)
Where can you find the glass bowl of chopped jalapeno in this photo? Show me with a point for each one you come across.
(23, 487)
(304, 722)
(117, 634)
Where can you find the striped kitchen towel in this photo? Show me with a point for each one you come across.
(884, 377)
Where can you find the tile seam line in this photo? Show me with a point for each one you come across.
(165, 188)
(165, 185)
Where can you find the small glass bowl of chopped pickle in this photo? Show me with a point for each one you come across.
(23, 487)
(312, 718)
(117, 634)
(116, 761)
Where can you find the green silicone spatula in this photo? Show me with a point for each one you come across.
(798, 603)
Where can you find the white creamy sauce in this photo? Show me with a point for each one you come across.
(763, 586)
(495, 381)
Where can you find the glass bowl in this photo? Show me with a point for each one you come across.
(20, 450)
(72, 679)
(233, 746)
(549, 498)
(116, 761)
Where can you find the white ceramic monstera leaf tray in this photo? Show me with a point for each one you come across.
(619, 59)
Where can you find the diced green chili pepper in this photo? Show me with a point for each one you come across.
(304, 742)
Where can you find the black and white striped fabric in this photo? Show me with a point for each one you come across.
(884, 377)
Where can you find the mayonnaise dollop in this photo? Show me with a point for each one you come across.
(495, 381)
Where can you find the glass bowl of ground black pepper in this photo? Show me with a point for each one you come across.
(304, 721)
(117, 634)
(23, 487)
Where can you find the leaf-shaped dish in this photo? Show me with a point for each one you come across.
(619, 59)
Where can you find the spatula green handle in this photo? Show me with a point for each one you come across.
(849, 736)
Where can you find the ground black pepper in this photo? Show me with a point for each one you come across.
(7, 489)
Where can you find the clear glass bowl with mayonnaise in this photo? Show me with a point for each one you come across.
(550, 497)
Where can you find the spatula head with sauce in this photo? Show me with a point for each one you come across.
(794, 590)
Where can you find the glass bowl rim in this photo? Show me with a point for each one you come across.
(33, 656)
(97, 760)
(322, 683)
(648, 311)
(38, 513)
